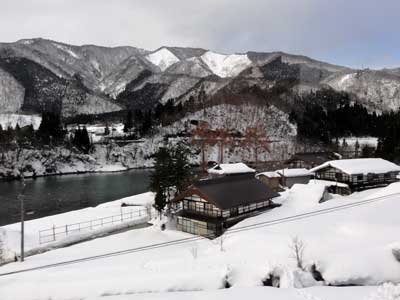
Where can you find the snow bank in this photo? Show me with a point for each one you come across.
(302, 196)
(136, 203)
(22, 120)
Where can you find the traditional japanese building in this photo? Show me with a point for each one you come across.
(310, 160)
(271, 179)
(210, 206)
(289, 177)
(358, 174)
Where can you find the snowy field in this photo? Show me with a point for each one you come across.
(22, 120)
(10, 234)
(363, 141)
(351, 246)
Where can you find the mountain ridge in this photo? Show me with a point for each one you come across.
(114, 77)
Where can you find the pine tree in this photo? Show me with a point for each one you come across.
(182, 174)
(357, 148)
(160, 201)
(81, 139)
(128, 124)
(160, 179)
(106, 130)
(1, 134)
(172, 172)
(50, 129)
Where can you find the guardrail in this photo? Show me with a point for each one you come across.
(57, 232)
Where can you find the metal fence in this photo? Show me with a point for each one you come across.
(58, 232)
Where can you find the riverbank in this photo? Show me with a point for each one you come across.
(100, 170)
(61, 161)
(50, 195)
(64, 229)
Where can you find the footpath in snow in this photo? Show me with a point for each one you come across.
(351, 246)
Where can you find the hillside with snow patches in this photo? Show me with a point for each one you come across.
(96, 75)
(354, 246)
(162, 58)
(226, 65)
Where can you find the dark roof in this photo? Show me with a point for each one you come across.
(231, 191)
(314, 157)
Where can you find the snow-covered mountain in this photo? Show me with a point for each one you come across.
(226, 65)
(162, 58)
(38, 74)
(378, 90)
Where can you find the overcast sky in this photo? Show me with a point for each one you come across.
(357, 33)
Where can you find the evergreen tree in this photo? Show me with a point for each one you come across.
(172, 174)
(81, 139)
(367, 151)
(50, 129)
(128, 124)
(160, 201)
(2, 135)
(357, 148)
(182, 174)
(160, 179)
(106, 130)
(344, 144)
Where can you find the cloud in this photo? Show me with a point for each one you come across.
(356, 32)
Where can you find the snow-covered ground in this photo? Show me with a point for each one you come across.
(226, 65)
(162, 58)
(109, 212)
(349, 246)
(362, 141)
(12, 119)
(386, 292)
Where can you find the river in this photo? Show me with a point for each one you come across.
(56, 194)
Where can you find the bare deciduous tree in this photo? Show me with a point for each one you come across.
(204, 137)
(256, 138)
(298, 247)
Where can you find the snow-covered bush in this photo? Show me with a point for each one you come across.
(227, 277)
(396, 252)
(284, 277)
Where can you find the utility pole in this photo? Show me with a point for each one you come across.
(21, 199)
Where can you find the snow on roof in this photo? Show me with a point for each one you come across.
(360, 166)
(270, 174)
(327, 183)
(294, 172)
(237, 168)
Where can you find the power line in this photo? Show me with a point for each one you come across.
(196, 238)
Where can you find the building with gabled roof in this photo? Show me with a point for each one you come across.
(360, 173)
(210, 206)
(310, 160)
